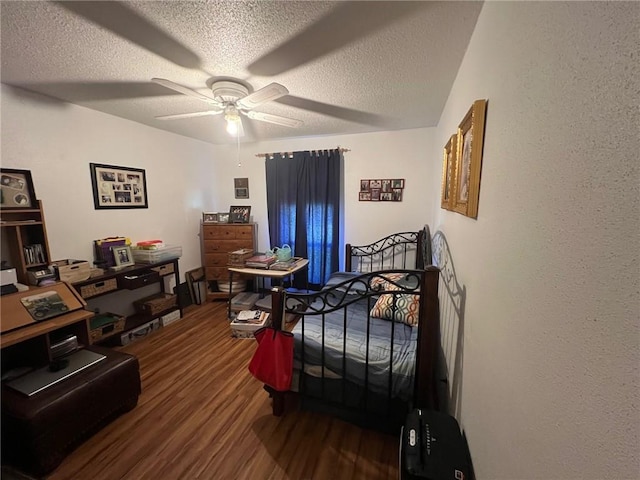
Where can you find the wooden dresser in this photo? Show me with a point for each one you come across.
(218, 239)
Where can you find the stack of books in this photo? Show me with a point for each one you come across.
(260, 261)
(247, 322)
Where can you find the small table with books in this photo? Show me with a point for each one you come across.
(273, 273)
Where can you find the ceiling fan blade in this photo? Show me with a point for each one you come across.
(343, 113)
(189, 115)
(267, 117)
(347, 23)
(185, 91)
(130, 25)
(81, 92)
(265, 94)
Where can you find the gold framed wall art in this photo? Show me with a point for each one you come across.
(449, 172)
(470, 142)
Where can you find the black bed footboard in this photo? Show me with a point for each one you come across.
(365, 348)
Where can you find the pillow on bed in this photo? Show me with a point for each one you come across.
(380, 283)
(407, 308)
(401, 281)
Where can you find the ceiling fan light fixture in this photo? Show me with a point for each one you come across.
(232, 117)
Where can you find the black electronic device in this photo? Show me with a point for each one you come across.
(432, 447)
(64, 346)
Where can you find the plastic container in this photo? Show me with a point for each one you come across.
(141, 255)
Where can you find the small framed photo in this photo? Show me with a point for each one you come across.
(241, 187)
(16, 189)
(122, 256)
(240, 214)
(223, 217)
(397, 183)
(209, 217)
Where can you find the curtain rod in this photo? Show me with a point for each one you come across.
(265, 155)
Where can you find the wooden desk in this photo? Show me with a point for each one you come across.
(17, 325)
(264, 273)
(27, 343)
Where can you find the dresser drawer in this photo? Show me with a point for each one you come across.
(216, 259)
(226, 246)
(218, 232)
(227, 231)
(244, 232)
(217, 273)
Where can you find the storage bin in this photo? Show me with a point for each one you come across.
(141, 255)
(155, 304)
(139, 332)
(238, 257)
(104, 325)
(164, 269)
(170, 318)
(72, 270)
(97, 288)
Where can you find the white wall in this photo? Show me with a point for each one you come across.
(56, 141)
(399, 154)
(550, 374)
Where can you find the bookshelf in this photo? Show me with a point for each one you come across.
(24, 240)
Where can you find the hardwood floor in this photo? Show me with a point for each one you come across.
(202, 415)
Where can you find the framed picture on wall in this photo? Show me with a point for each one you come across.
(448, 172)
(469, 160)
(118, 187)
(241, 187)
(16, 189)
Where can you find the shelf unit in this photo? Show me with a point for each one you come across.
(132, 278)
(22, 227)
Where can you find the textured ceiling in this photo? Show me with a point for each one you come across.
(350, 67)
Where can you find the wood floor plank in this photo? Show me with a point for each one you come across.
(201, 415)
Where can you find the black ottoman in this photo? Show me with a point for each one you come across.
(38, 432)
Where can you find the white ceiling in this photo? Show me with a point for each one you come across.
(350, 67)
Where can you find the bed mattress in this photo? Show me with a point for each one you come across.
(365, 340)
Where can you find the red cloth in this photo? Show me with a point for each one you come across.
(272, 363)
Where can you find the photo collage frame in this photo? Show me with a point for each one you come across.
(381, 190)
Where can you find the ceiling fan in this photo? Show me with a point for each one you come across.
(233, 99)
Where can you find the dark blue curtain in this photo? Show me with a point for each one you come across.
(303, 206)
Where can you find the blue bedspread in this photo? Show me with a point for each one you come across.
(346, 355)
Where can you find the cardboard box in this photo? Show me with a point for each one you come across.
(72, 270)
(247, 329)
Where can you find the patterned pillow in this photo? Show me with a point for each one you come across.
(407, 308)
(380, 283)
